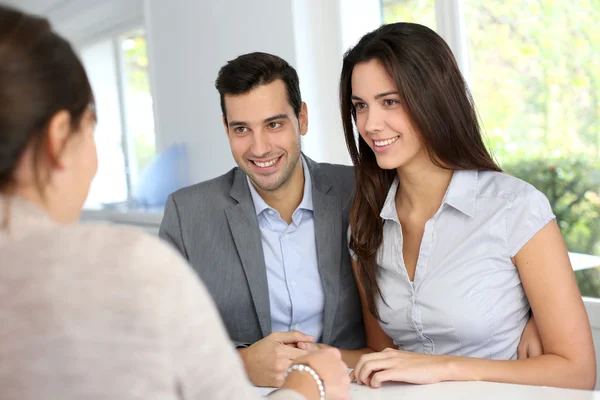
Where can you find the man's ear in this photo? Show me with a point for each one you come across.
(303, 119)
(225, 125)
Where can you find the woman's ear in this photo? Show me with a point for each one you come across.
(59, 129)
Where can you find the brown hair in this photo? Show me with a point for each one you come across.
(251, 70)
(441, 109)
(40, 75)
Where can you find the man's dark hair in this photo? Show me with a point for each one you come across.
(251, 70)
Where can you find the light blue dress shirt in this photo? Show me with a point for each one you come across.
(295, 290)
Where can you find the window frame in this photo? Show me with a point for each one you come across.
(115, 35)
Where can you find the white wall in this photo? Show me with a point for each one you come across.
(324, 30)
(189, 41)
(318, 40)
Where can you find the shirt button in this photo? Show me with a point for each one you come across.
(297, 327)
(285, 235)
(271, 212)
(294, 283)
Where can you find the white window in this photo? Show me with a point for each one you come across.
(533, 67)
(118, 70)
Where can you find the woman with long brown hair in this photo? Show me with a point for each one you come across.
(450, 253)
(92, 311)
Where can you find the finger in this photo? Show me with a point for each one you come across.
(281, 365)
(332, 351)
(292, 337)
(364, 359)
(352, 377)
(383, 376)
(374, 366)
(291, 353)
(370, 357)
(308, 346)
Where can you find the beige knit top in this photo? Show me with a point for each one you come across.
(99, 312)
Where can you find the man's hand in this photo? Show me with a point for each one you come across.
(312, 347)
(531, 343)
(267, 360)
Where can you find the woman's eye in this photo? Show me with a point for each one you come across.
(390, 102)
(360, 106)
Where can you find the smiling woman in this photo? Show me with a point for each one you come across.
(451, 255)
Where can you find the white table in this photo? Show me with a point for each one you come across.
(464, 391)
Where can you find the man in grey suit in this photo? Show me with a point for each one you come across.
(268, 238)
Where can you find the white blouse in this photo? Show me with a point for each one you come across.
(467, 298)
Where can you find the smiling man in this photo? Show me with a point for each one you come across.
(268, 238)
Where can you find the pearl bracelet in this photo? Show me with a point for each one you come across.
(306, 368)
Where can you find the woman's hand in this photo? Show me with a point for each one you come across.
(531, 342)
(331, 369)
(400, 366)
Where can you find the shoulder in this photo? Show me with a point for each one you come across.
(111, 242)
(338, 175)
(115, 256)
(213, 189)
(507, 187)
(525, 207)
(111, 245)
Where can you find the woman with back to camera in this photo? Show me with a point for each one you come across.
(92, 311)
(450, 253)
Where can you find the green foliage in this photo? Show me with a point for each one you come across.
(136, 62)
(535, 76)
(420, 11)
(137, 78)
(572, 186)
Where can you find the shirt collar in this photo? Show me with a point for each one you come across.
(461, 195)
(462, 191)
(306, 204)
(388, 211)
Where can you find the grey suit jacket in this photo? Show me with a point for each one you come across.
(214, 225)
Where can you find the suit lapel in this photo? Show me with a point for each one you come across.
(243, 224)
(328, 234)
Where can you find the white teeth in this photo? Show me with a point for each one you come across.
(266, 164)
(381, 143)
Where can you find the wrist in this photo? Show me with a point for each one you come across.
(303, 384)
(307, 381)
(457, 369)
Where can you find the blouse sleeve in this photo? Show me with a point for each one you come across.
(528, 213)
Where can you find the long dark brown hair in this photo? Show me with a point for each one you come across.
(40, 75)
(440, 107)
